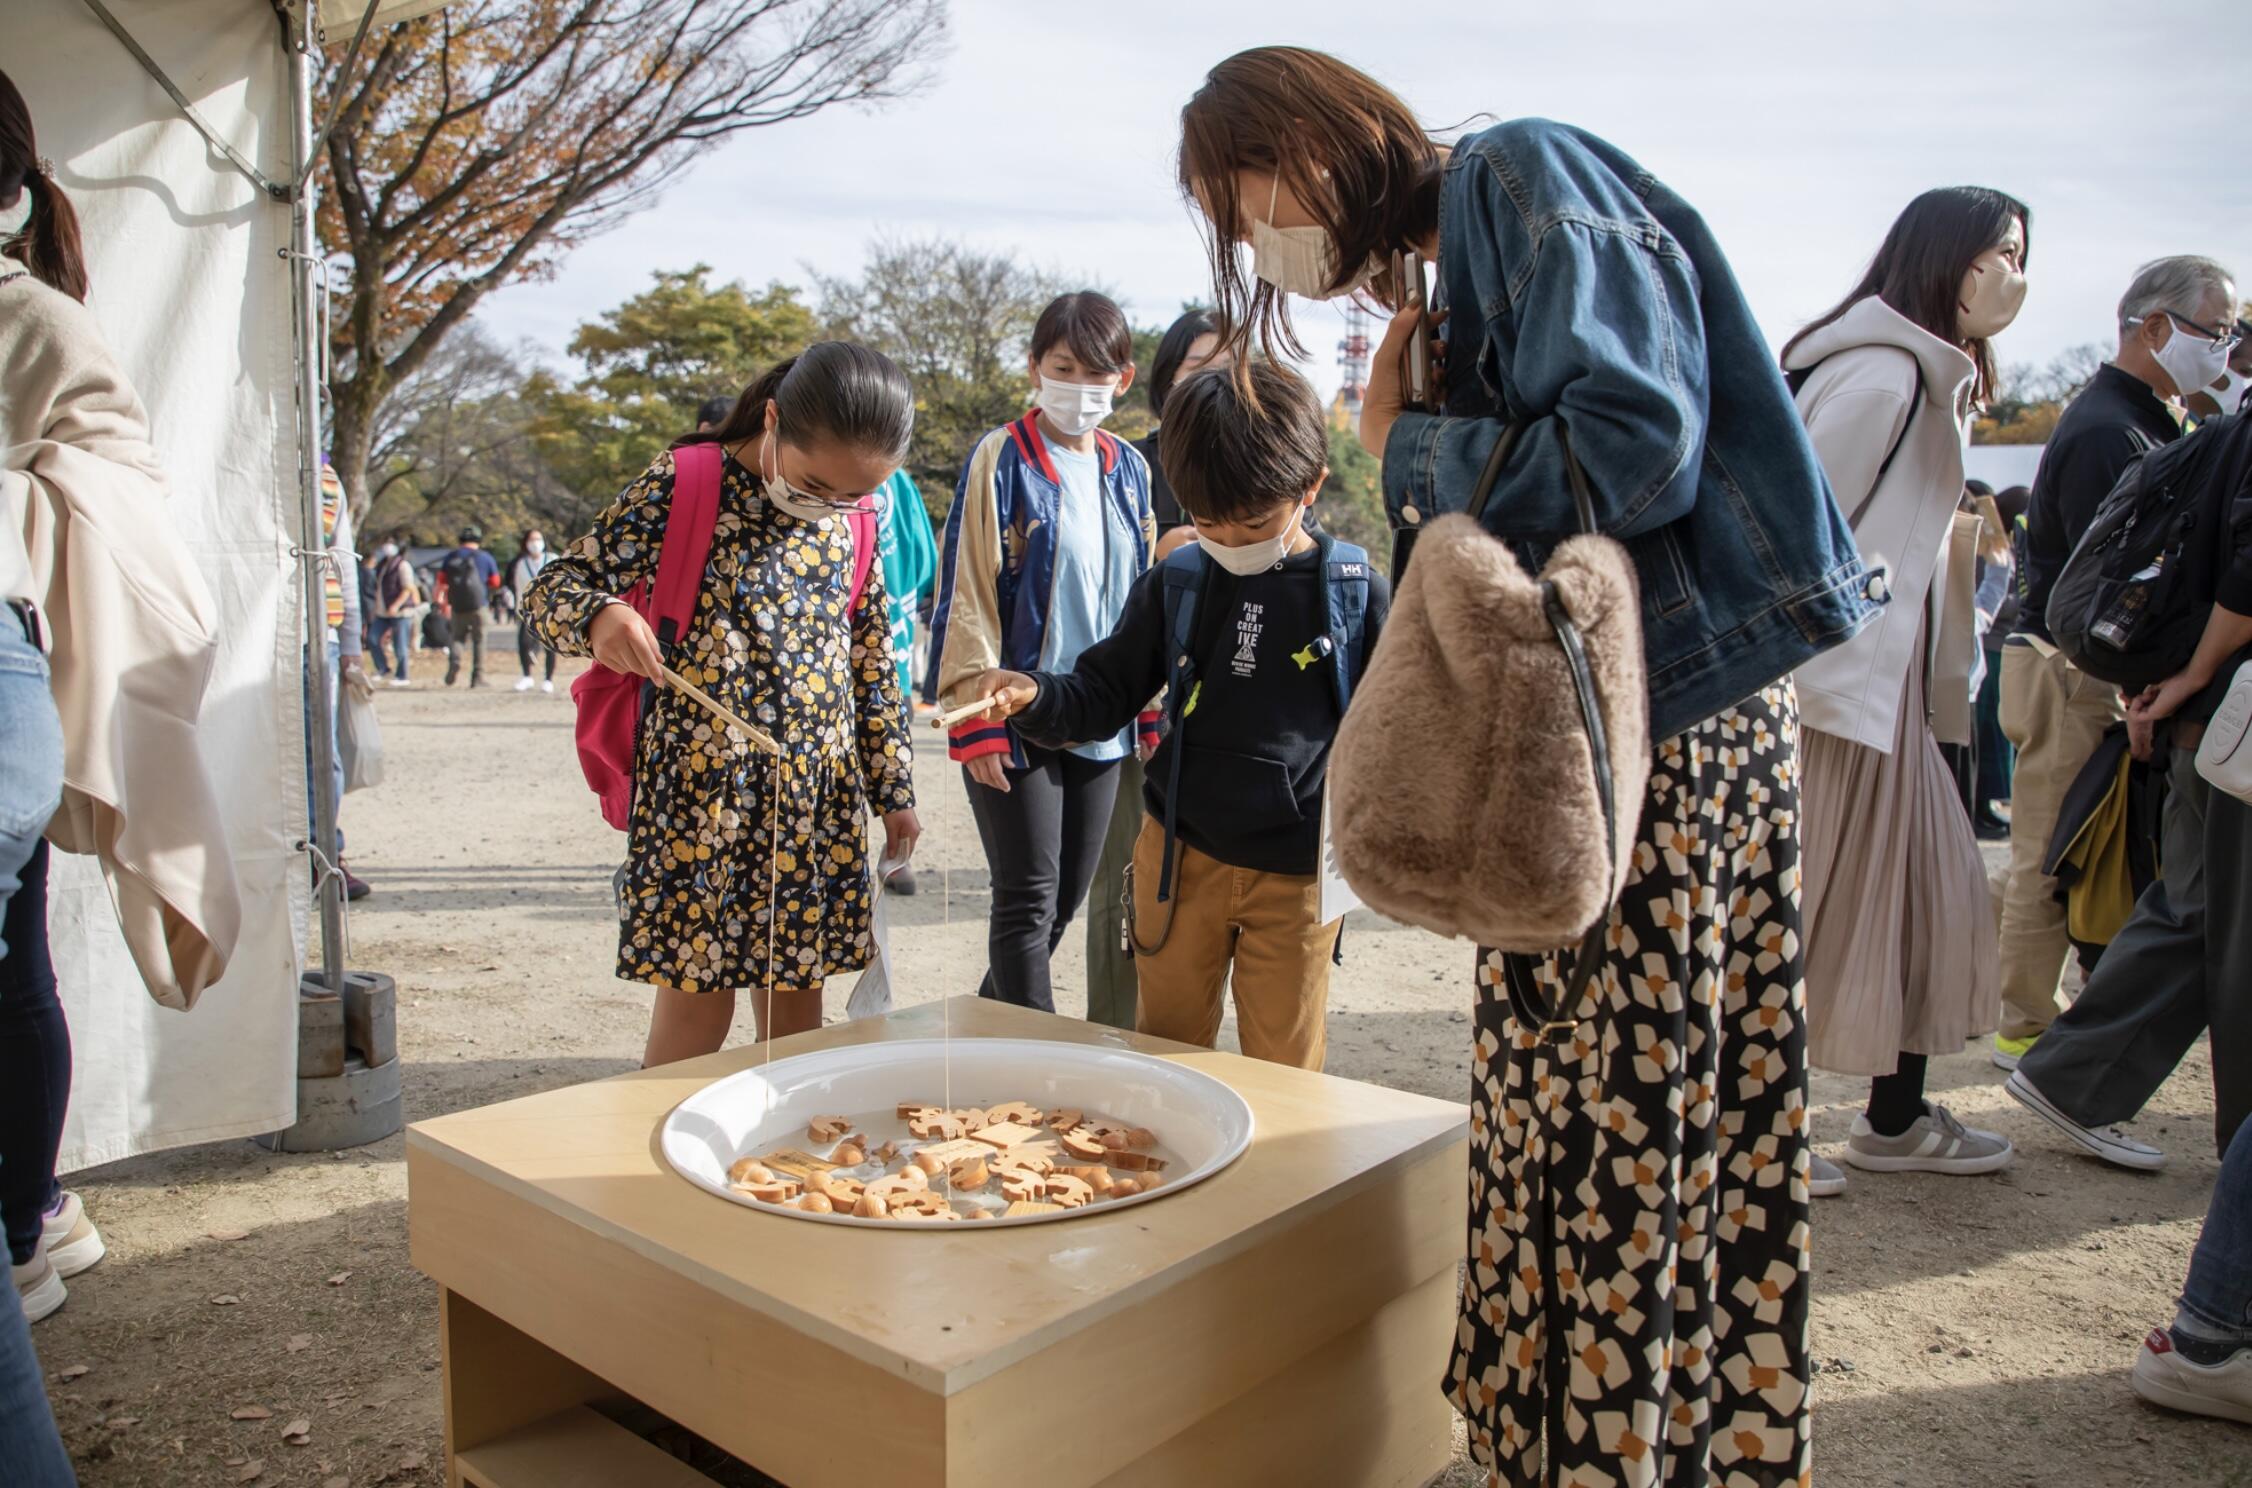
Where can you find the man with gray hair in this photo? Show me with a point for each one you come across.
(2175, 329)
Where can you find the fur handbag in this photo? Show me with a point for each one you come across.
(1488, 779)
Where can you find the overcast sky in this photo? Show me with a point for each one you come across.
(1798, 129)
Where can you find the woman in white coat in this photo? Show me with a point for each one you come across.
(1901, 959)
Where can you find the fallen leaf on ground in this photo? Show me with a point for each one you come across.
(119, 1423)
(250, 1413)
(412, 1461)
(340, 1278)
(298, 1432)
(250, 1470)
(230, 1234)
(74, 1371)
(225, 1299)
(299, 1342)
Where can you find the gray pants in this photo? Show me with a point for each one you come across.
(2173, 972)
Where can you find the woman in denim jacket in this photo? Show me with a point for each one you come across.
(1636, 1294)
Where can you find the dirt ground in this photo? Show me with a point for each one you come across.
(1969, 1330)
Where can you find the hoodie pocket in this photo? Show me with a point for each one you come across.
(1238, 794)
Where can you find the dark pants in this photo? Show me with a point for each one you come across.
(2173, 971)
(34, 1064)
(1112, 980)
(1042, 838)
(527, 645)
(1996, 758)
(469, 628)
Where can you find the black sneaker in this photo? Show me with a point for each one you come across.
(453, 672)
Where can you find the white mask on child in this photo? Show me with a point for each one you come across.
(15, 219)
(785, 497)
(1075, 407)
(1253, 558)
(1300, 260)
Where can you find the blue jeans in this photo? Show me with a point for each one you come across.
(335, 756)
(31, 752)
(31, 773)
(2217, 1299)
(397, 632)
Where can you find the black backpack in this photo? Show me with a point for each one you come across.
(465, 590)
(2133, 598)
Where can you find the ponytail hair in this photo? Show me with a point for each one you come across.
(49, 242)
(838, 391)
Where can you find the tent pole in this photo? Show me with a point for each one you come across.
(310, 284)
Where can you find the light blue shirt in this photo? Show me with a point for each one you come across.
(1094, 569)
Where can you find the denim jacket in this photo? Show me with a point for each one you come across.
(1584, 296)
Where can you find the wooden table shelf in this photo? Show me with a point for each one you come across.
(574, 1448)
(1283, 1322)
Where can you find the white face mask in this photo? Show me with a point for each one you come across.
(2192, 361)
(1075, 407)
(388, 550)
(535, 547)
(1256, 557)
(1299, 260)
(2228, 392)
(1991, 296)
(15, 219)
(781, 494)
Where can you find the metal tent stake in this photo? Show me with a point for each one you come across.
(347, 1055)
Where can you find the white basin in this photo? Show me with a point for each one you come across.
(1201, 1124)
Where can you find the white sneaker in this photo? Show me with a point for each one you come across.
(69, 1237)
(401, 682)
(2109, 1142)
(1936, 1143)
(1824, 1179)
(38, 1287)
(547, 684)
(2163, 1377)
(523, 684)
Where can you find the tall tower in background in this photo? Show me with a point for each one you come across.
(1352, 360)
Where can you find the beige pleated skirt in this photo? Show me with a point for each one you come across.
(1901, 949)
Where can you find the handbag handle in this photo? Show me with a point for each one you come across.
(1525, 1001)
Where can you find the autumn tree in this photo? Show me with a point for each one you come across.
(476, 145)
(650, 361)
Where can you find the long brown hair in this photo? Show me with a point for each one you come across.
(1347, 147)
(1919, 268)
(50, 241)
(835, 390)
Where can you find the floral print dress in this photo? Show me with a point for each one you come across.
(1634, 1313)
(729, 849)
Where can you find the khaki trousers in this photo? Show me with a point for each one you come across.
(1265, 927)
(2055, 714)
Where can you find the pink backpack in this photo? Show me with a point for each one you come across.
(610, 703)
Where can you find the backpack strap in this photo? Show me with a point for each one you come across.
(865, 540)
(688, 539)
(1345, 591)
(1184, 575)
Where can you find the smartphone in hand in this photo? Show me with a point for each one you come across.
(1416, 384)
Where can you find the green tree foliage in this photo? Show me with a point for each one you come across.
(1352, 499)
(649, 362)
(959, 321)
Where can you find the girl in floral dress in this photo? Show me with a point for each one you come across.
(745, 870)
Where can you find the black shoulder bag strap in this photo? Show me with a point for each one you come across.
(1557, 1023)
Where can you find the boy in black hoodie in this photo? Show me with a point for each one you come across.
(1257, 634)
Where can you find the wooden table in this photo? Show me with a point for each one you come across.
(1283, 1322)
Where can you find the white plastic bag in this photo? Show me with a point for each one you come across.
(871, 994)
(2225, 758)
(359, 737)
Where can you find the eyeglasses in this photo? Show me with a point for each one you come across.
(2226, 336)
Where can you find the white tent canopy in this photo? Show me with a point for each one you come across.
(192, 289)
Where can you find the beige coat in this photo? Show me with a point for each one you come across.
(132, 630)
(1856, 403)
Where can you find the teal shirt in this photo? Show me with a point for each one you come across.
(910, 557)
